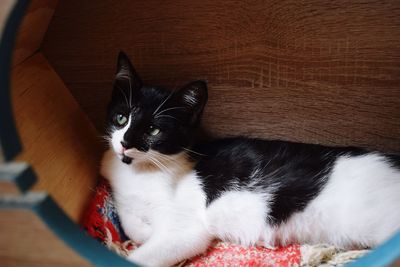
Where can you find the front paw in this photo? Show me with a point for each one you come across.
(265, 245)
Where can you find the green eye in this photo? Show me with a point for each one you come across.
(121, 119)
(153, 130)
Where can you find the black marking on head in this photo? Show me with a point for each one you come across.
(126, 71)
(176, 114)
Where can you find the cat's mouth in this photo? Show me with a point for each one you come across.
(126, 159)
(128, 155)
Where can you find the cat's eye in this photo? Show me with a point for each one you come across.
(153, 130)
(121, 119)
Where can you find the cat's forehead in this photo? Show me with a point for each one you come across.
(152, 97)
(153, 94)
(147, 97)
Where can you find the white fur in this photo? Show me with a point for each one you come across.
(117, 136)
(168, 216)
(359, 206)
(238, 216)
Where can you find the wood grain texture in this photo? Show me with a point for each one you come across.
(58, 139)
(312, 71)
(27, 242)
(33, 28)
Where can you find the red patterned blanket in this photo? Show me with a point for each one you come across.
(101, 222)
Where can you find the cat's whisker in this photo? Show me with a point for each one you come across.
(122, 91)
(167, 116)
(130, 93)
(155, 155)
(192, 151)
(165, 100)
(160, 165)
(168, 159)
(133, 154)
(176, 164)
(105, 137)
(167, 109)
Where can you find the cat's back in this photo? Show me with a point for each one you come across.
(239, 161)
(241, 156)
(308, 182)
(236, 149)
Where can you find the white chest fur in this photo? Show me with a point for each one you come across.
(151, 200)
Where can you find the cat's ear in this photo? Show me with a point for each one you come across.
(194, 96)
(126, 71)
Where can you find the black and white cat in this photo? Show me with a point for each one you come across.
(174, 196)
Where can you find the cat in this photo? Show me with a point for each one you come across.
(174, 194)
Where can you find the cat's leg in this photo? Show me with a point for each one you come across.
(172, 245)
(239, 217)
(136, 228)
(267, 238)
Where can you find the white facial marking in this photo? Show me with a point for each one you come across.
(117, 136)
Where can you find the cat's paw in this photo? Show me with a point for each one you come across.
(265, 245)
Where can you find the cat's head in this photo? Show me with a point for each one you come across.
(147, 120)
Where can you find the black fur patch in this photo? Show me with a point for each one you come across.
(295, 173)
(394, 160)
(176, 114)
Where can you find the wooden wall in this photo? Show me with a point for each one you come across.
(312, 71)
(33, 29)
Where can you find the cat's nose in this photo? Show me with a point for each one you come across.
(124, 144)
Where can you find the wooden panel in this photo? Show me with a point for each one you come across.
(27, 241)
(313, 71)
(33, 28)
(58, 139)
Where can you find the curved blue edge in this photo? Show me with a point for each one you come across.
(9, 139)
(75, 237)
(25, 179)
(382, 256)
(20, 174)
(52, 214)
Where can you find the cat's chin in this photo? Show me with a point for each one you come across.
(126, 159)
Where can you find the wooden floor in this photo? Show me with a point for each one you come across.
(33, 245)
